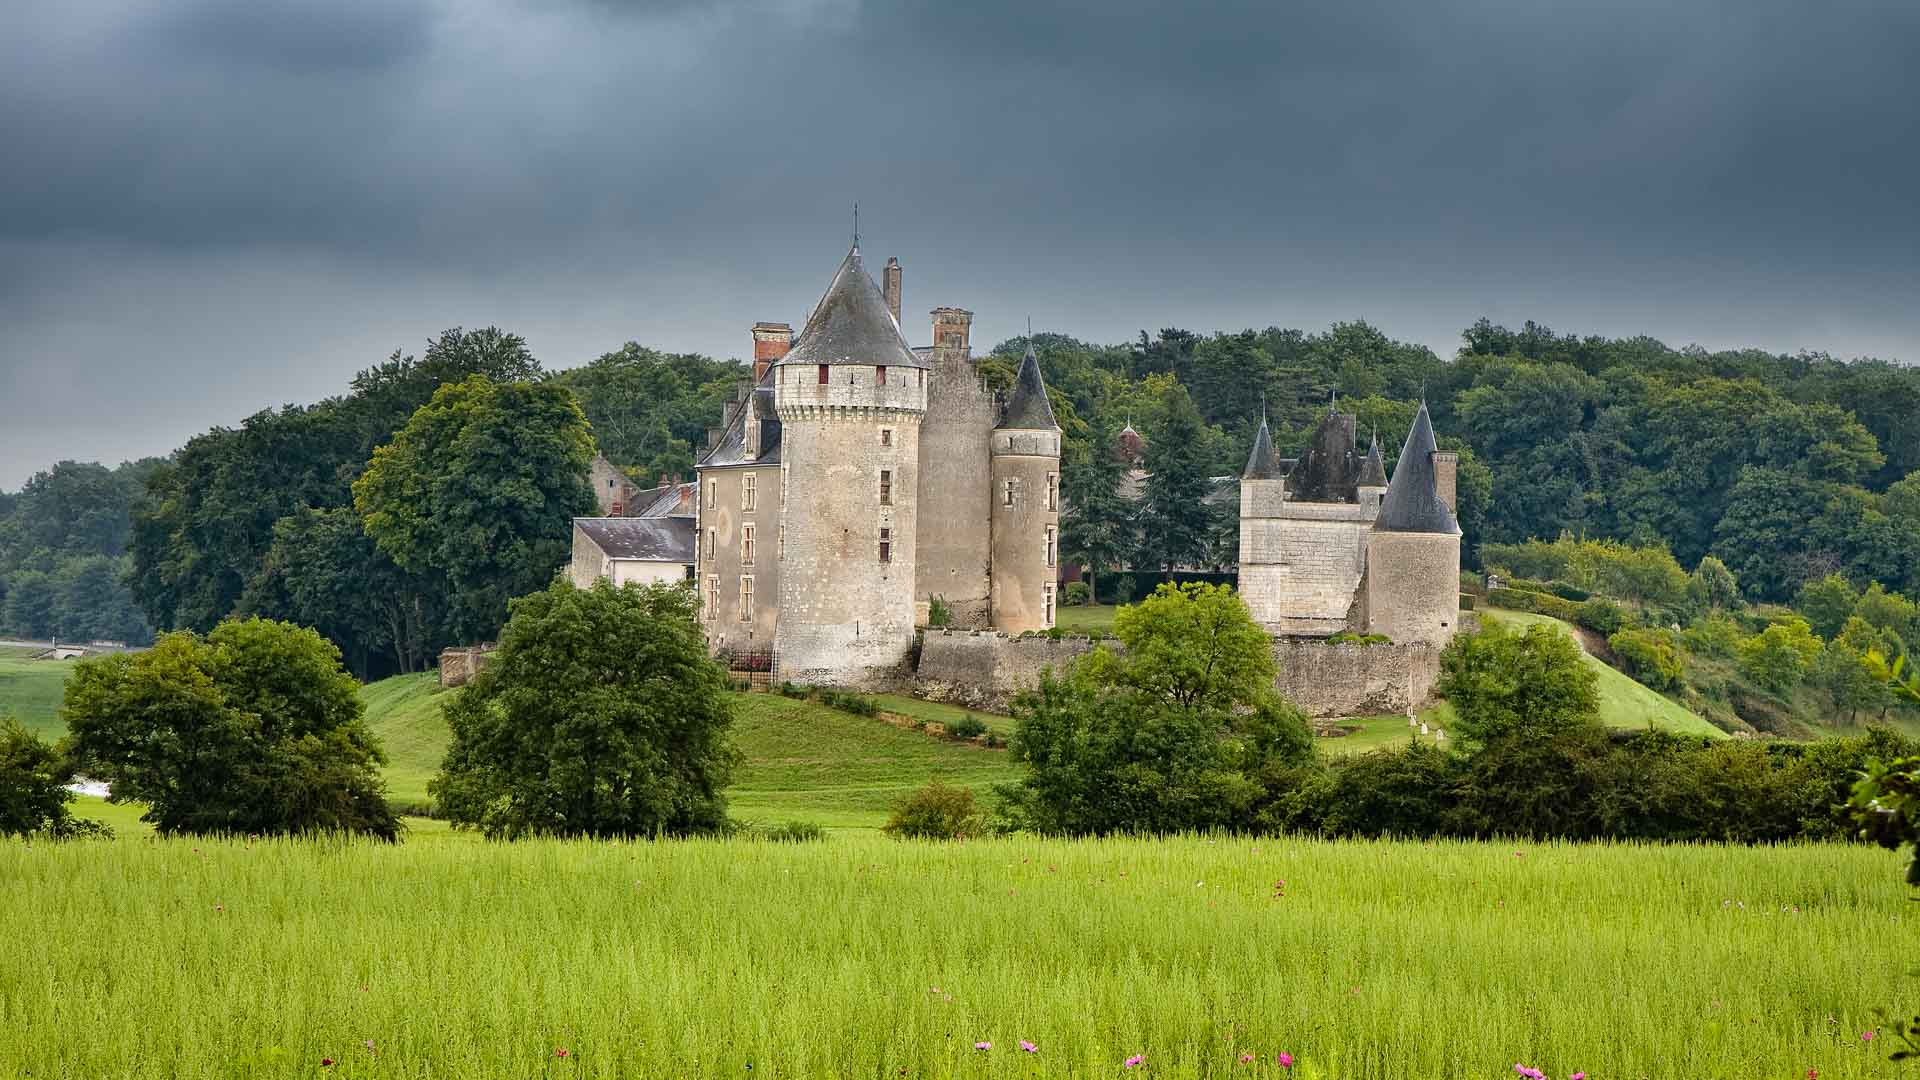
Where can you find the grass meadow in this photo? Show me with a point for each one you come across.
(31, 690)
(863, 957)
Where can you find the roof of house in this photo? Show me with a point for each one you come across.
(1412, 503)
(1263, 463)
(654, 539)
(1029, 407)
(667, 500)
(852, 325)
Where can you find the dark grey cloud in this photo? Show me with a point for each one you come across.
(266, 196)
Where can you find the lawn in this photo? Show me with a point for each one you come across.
(1084, 617)
(404, 711)
(31, 689)
(941, 713)
(863, 957)
(1624, 703)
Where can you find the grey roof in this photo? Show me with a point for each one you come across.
(1412, 503)
(657, 539)
(1373, 472)
(852, 325)
(732, 447)
(1263, 463)
(665, 499)
(1029, 407)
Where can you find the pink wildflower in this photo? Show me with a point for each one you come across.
(1246, 1059)
(1578, 1076)
(560, 1052)
(1526, 1071)
(983, 1046)
(326, 1063)
(1135, 1061)
(1866, 1036)
(1029, 1047)
(1285, 1060)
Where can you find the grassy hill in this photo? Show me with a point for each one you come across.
(30, 690)
(1624, 703)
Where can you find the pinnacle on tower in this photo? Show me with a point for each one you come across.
(1373, 472)
(1263, 463)
(1412, 503)
(1029, 407)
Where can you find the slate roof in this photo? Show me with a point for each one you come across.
(1263, 463)
(852, 325)
(656, 539)
(1412, 504)
(1029, 408)
(1373, 472)
(732, 447)
(675, 500)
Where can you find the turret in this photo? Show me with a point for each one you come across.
(1025, 498)
(1413, 553)
(1372, 485)
(849, 397)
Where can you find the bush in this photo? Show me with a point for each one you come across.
(798, 693)
(1780, 657)
(935, 812)
(33, 788)
(967, 728)
(1600, 615)
(1348, 637)
(254, 729)
(1537, 603)
(1505, 684)
(600, 715)
(939, 612)
(1078, 594)
(1568, 591)
(791, 832)
(1715, 635)
(1649, 656)
(849, 702)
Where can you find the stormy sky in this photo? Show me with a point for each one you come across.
(212, 206)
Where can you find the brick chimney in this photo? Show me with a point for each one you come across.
(1446, 468)
(771, 340)
(890, 285)
(952, 327)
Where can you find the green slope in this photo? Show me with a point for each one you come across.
(31, 689)
(405, 712)
(1624, 703)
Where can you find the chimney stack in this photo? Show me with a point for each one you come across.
(952, 327)
(771, 340)
(1446, 467)
(890, 285)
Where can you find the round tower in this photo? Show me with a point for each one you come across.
(850, 395)
(1413, 552)
(1025, 455)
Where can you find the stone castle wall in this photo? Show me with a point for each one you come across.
(984, 670)
(1413, 586)
(951, 561)
(1300, 569)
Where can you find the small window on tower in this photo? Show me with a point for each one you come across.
(886, 436)
(709, 545)
(746, 544)
(886, 545)
(746, 598)
(823, 375)
(713, 492)
(713, 595)
(880, 376)
(886, 487)
(1006, 498)
(1046, 601)
(1053, 486)
(1052, 545)
(746, 491)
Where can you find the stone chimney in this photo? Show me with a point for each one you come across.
(890, 285)
(952, 328)
(1446, 468)
(771, 340)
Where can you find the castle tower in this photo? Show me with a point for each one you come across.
(955, 477)
(1026, 506)
(1263, 563)
(1413, 552)
(849, 396)
(1372, 485)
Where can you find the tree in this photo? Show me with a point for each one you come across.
(1507, 684)
(1173, 520)
(1649, 656)
(33, 600)
(1826, 604)
(600, 715)
(33, 787)
(253, 729)
(1780, 657)
(1712, 587)
(480, 489)
(1095, 520)
(1191, 646)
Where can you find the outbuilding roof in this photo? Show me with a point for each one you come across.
(656, 539)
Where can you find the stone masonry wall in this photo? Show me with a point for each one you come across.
(984, 670)
(1299, 572)
(953, 531)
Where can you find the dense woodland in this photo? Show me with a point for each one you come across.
(1788, 468)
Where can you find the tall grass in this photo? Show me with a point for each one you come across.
(861, 957)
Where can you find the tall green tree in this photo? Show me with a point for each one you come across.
(1174, 521)
(1508, 684)
(1096, 520)
(480, 489)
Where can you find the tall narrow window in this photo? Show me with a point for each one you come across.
(1052, 545)
(1006, 498)
(783, 486)
(920, 376)
(746, 598)
(886, 545)
(823, 375)
(746, 545)
(1053, 488)
(886, 487)
(713, 492)
(746, 491)
(1046, 603)
(880, 375)
(781, 539)
(713, 595)
(709, 545)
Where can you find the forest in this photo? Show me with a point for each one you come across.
(1788, 468)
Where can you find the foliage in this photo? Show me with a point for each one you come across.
(1537, 603)
(1507, 684)
(480, 489)
(935, 812)
(1193, 646)
(1096, 520)
(1780, 657)
(1826, 604)
(1079, 594)
(1600, 615)
(1173, 521)
(789, 832)
(849, 702)
(253, 729)
(1716, 636)
(63, 542)
(1647, 573)
(1650, 657)
(1712, 586)
(1347, 637)
(650, 409)
(33, 792)
(601, 715)
(967, 728)
(939, 612)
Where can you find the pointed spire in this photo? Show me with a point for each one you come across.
(1263, 463)
(1029, 407)
(852, 324)
(1373, 472)
(1412, 503)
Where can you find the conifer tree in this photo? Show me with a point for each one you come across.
(1174, 521)
(1096, 528)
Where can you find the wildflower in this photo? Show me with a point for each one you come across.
(1246, 1059)
(1866, 1036)
(983, 1046)
(1029, 1047)
(1523, 1070)
(1135, 1061)
(560, 1052)
(1285, 1060)
(1813, 1074)
(326, 1063)
(1578, 1076)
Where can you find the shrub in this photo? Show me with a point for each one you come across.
(1538, 603)
(254, 729)
(1600, 615)
(33, 788)
(849, 702)
(968, 727)
(791, 832)
(1348, 637)
(1713, 586)
(1649, 656)
(1078, 594)
(798, 693)
(1568, 591)
(1780, 657)
(935, 812)
(1503, 683)
(939, 612)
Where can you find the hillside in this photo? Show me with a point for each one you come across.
(1624, 703)
(31, 689)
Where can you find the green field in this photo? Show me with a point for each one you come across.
(1084, 617)
(1624, 703)
(31, 689)
(863, 957)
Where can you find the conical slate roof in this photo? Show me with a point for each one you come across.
(1263, 463)
(1373, 473)
(1029, 407)
(1412, 504)
(852, 325)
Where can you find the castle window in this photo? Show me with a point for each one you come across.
(1006, 498)
(746, 491)
(713, 492)
(886, 487)
(783, 487)
(1052, 545)
(886, 436)
(1046, 604)
(609, 483)
(1053, 488)
(746, 598)
(886, 545)
(746, 545)
(823, 375)
(880, 375)
(709, 545)
(713, 595)
(781, 539)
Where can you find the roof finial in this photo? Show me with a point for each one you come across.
(1029, 331)
(1263, 407)
(1333, 398)
(856, 226)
